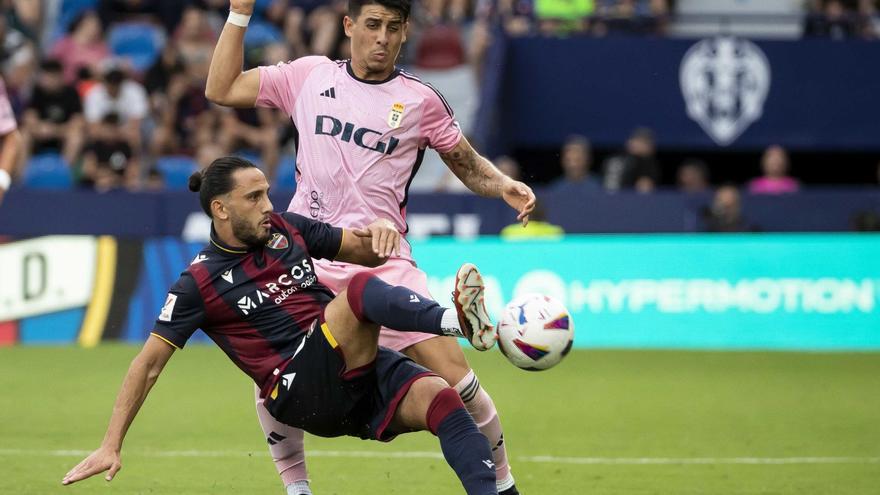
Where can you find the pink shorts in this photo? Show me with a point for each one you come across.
(396, 271)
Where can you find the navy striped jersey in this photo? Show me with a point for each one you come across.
(254, 303)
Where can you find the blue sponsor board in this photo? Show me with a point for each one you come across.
(806, 292)
(760, 291)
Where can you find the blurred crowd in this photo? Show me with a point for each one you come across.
(110, 93)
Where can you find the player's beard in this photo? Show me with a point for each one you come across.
(250, 234)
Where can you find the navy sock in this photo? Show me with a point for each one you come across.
(467, 451)
(373, 300)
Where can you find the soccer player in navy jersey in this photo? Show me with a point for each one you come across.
(315, 356)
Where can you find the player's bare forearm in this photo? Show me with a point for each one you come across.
(475, 171)
(358, 248)
(11, 147)
(227, 85)
(142, 375)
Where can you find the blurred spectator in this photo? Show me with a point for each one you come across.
(166, 12)
(725, 214)
(194, 40)
(838, 20)
(83, 46)
(154, 181)
(110, 162)
(187, 121)
(440, 11)
(508, 166)
(576, 158)
(537, 228)
(54, 120)
(311, 27)
(631, 17)
(866, 221)
(637, 167)
(18, 53)
(775, 180)
(10, 141)
(693, 177)
(157, 78)
(563, 17)
(254, 128)
(122, 98)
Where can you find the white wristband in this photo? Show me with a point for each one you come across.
(237, 19)
(5, 180)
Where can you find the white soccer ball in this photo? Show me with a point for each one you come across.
(535, 332)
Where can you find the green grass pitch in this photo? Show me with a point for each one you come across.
(603, 422)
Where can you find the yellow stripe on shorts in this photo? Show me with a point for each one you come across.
(329, 336)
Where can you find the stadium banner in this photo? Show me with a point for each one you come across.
(762, 291)
(714, 93)
(177, 213)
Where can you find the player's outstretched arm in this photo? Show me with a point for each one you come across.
(142, 374)
(227, 85)
(371, 245)
(483, 178)
(10, 147)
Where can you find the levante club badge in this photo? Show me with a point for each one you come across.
(396, 115)
(277, 241)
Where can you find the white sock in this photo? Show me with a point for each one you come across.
(449, 324)
(300, 487)
(506, 483)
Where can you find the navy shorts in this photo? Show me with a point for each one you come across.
(316, 393)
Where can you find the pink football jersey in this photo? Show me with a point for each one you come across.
(359, 143)
(7, 117)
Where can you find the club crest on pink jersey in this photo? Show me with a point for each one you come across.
(396, 115)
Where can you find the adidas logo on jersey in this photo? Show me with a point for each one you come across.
(330, 93)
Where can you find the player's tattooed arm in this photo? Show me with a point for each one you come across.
(483, 178)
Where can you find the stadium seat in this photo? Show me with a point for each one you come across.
(176, 170)
(139, 42)
(261, 33)
(69, 11)
(48, 171)
(285, 175)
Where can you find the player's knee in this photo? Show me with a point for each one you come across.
(355, 295)
(445, 402)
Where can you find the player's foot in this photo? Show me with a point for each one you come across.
(510, 491)
(470, 305)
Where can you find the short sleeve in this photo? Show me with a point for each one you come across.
(281, 84)
(322, 239)
(439, 127)
(136, 102)
(182, 314)
(7, 116)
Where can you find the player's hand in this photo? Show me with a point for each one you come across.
(521, 198)
(385, 237)
(98, 461)
(245, 7)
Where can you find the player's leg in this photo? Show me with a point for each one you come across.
(286, 446)
(398, 307)
(430, 404)
(445, 357)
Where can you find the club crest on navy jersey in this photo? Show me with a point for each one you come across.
(396, 115)
(277, 241)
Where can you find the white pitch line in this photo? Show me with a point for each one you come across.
(543, 459)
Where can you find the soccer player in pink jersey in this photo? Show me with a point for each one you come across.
(363, 126)
(10, 141)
